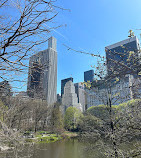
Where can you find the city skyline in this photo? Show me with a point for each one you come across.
(70, 78)
(103, 23)
(86, 31)
(75, 80)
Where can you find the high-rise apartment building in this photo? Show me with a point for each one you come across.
(81, 94)
(42, 76)
(127, 88)
(120, 53)
(89, 76)
(63, 82)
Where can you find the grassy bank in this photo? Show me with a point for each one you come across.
(45, 137)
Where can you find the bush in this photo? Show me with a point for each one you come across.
(101, 112)
(90, 123)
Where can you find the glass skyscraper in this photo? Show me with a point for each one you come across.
(118, 54)
(89, 76)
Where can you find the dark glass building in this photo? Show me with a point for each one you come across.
(121, 56)
(63, 82)
(89, 76)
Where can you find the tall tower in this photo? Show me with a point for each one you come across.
(42, 76)
(81, 94)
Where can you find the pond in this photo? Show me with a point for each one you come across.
(70, 148)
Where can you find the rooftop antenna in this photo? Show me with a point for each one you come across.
(131, 33)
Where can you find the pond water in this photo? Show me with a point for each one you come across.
(70, 148)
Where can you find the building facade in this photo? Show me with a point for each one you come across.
(63, 82)
(89, 76)
(42, 76)
(121, 55)
(125, 89)
(122, 82)
(59, 99)
(81, 94)
(69, 97)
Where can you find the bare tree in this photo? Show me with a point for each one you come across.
(24, 25)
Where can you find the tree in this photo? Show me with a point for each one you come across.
(90, 127)
(109, 72)
(24, 26)
(71, 118)
(3, 110)
(56, 119)
(22, 32)
(109, 92)
(28, 114)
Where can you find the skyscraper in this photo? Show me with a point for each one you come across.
(89, 76)
(81, 94)
(63, 82)
(117, 55)
(69, 97)
(42, 76)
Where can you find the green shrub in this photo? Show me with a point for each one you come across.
(134, 102)
(90, 123)
(101, 111)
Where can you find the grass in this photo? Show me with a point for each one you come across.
(44, 138)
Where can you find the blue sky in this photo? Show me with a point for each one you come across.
(90, 26)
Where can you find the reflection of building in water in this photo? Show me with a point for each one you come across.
(42, 76)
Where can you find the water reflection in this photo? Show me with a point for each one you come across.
(66, 149)
(72, 148)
